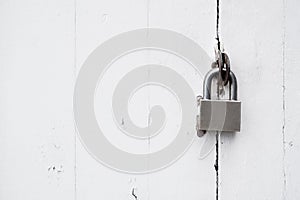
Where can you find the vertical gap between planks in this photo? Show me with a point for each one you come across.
(217, 25)
(283, 101)
(216, 165)
(149, 109)
(75, 72)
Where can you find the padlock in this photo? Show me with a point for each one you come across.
(218, 115)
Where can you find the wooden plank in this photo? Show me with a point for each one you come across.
(189, 177)
(291, 97)
(37, 77)
(97, 21)
(251, 162)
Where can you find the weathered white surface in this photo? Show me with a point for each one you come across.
(253, 162)
(39, 158)
(36, 81)
(97, 21)
(292, 97)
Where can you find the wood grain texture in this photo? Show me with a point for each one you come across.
(251, 162)
(37, 77)
(189, 177)
(43, 45)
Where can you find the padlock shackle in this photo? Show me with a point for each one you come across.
(213, 73)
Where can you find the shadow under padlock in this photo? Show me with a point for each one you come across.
(222, 115)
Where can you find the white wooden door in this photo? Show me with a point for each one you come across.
(45, 44)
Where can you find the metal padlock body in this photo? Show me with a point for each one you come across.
(219, 115)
